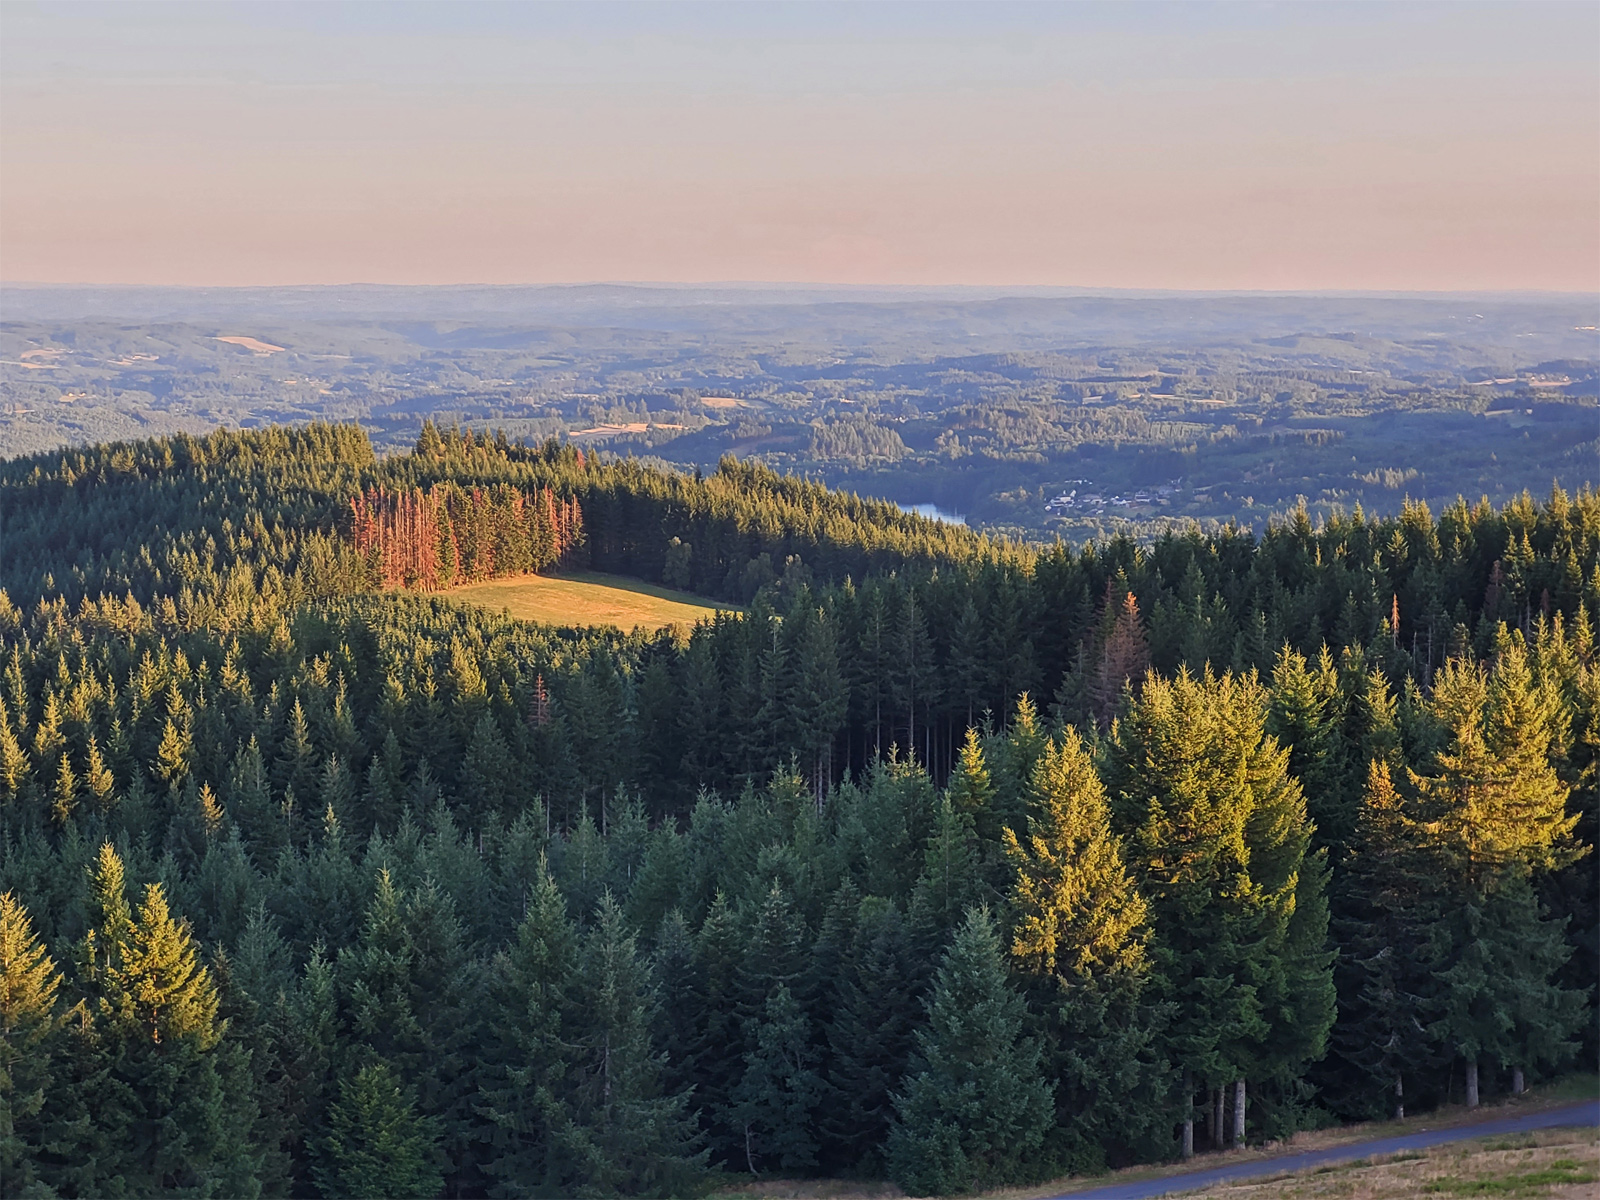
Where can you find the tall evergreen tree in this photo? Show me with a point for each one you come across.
(531, 1142)
(1080, 936)
(377, 1144)
(634, 1138)
(1219, 836)
(875, 1013)
(29, 1023)
(973, 1107)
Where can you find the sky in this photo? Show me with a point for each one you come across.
(1301, 146)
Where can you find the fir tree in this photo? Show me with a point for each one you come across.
(634, 1138)
(170, 1098)
(1219, 842)
(973, 1106)
(778, 1095)
(29, 1021)
(1080, 936)
(377, 1145)
(1077, 909)
(528, 1052)
(875, 1012)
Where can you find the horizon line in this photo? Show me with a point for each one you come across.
(788, 285)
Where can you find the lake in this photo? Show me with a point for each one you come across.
(933, 512)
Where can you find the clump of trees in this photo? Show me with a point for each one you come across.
(449, 535)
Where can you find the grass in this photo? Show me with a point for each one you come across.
(1515, 1166)
(588, 598)
(1547, 1163)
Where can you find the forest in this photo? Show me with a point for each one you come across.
(952, 860)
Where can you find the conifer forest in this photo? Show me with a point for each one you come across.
(936, 857)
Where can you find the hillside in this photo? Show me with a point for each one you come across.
(956, 861)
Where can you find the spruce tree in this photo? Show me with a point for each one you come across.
(377, 1145)
(973, 1107)
(29, 1023)
(528, 1050)
(634, 1138)
(875, 1010)
(1080, 937)
(778, 1095)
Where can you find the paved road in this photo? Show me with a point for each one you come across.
(1587, 1113)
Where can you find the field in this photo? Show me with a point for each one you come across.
(587, 598)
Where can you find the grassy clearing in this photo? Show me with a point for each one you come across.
(587, 598)
(1547, 1163)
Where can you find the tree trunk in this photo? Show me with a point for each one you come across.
(1399, 1098)
(1188, 1116)
(1218, 1137)
(1238, 1114)
(1472, 1083)
(1518, 1083)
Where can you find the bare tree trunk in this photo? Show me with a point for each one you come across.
(1188, 1116)
(749, 1158)
(1399, 1097)
(1472, 1083)
(1238, 1114)
(1518, 1083)
(1216, 1118)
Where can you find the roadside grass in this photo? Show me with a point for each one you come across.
(1562, 1163)
(1581, 1149)
(588, 598)
(1567, 1090)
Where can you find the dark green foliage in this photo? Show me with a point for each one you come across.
(376, 1144)
(973, 1107)
(875, 1011)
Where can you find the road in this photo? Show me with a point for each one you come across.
(1587, 1113)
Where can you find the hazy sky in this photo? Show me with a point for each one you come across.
(1294, 146)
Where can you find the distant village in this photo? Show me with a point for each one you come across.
(1072, 501)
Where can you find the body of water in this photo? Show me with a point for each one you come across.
(933, 512)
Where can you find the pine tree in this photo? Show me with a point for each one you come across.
(528, 1052)
(973, 1107)
(634, 1138)
(29, 1024)
(1080, 938)
(170, 1099)
(875, 1012)
(1220, 844)
(778, 1095)
(377, 1145)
